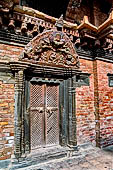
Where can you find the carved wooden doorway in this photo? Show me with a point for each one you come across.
(44, 115)
(48, 58)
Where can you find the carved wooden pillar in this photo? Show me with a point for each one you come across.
(63, 92)
(27, 116)
(74, 125)
(72, 112)
(18, 114)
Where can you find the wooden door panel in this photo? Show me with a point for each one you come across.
(52, 112)
(37, 95)
(52, 128)
(52, 96)
(37, 115)
(44, 111)
(37, 135)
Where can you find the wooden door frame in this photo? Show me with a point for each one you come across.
(65, 111)
(66, 79)
(56, 58)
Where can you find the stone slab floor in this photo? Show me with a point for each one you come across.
(90, 158)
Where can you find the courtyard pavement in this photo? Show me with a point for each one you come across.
(90, 158)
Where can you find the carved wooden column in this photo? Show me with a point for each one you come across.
(63, 92)
(74, 123)
(72, 112)
(27, 117)
(18, 113)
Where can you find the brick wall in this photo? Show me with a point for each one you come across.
(6, 120)
(87, 96)
(9, 52)
(85, 106)
(105, 103)
(95, 105)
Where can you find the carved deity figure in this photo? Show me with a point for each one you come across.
(52, 47)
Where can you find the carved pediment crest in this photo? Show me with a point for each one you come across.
(51, 48)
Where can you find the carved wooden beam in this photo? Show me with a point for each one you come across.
(25, 21)
(43, 17)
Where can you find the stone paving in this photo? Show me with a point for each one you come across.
(96, 160)
(87, 159)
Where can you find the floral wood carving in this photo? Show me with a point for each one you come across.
(51, 48)
(7, 5)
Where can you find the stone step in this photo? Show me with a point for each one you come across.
(45, 155)
(42, 155)
(75, 157)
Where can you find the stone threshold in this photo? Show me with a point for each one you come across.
(43, 156)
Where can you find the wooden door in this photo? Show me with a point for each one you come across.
(52, 115)
(44, 115)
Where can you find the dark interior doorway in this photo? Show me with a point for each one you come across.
(51, 7)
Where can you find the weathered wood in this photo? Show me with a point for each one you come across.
(61, 108)
(63, 96)
(66, 108)
(18, 112)
(72, 112)
(74, 122)
(27, 116)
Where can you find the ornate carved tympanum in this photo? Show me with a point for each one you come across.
(51, 48)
